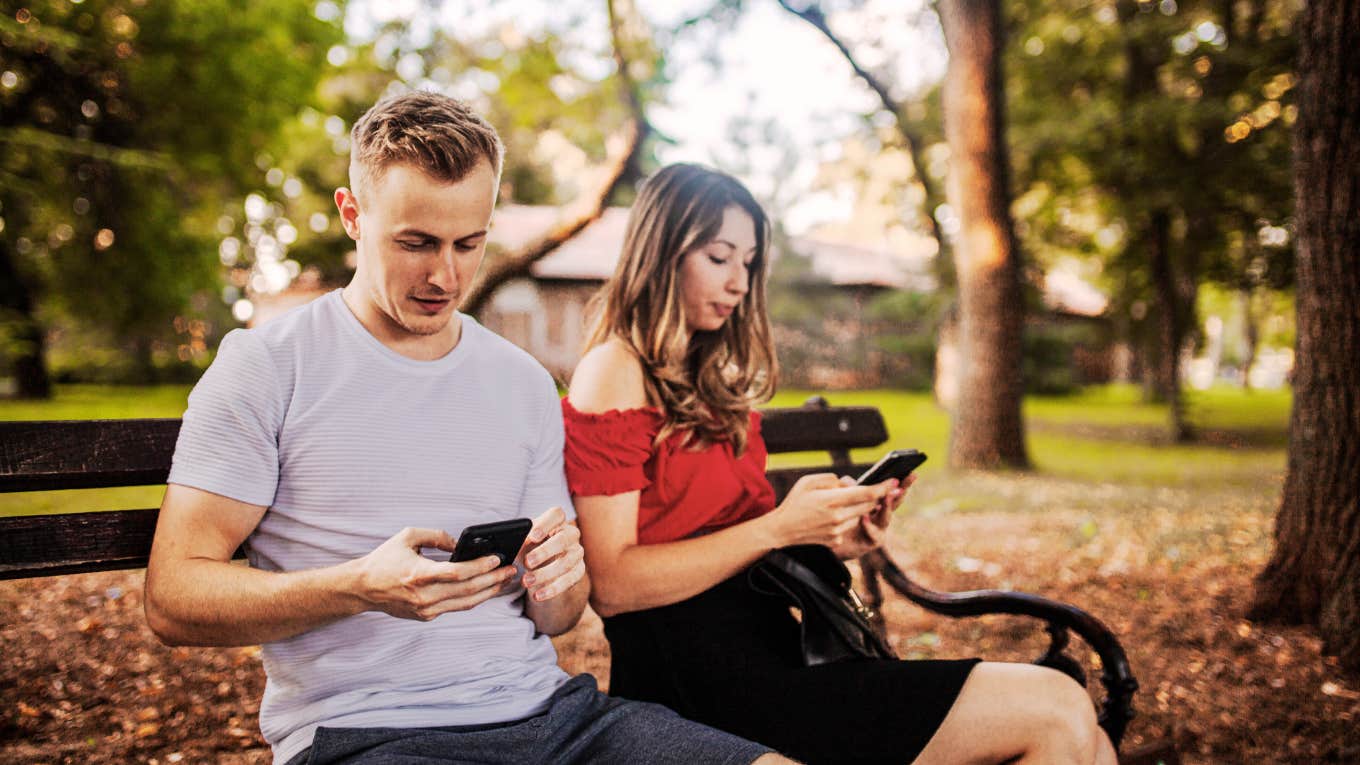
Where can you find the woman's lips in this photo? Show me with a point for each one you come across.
(723, 310)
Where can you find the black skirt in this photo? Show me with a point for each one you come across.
(729, 658)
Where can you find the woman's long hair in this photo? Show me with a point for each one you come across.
(706, 386)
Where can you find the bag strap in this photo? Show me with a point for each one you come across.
(816, 584)
(837, 599)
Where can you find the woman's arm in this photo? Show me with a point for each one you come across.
(627, 576)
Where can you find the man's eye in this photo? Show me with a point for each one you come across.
(461, 247)
(413, 246)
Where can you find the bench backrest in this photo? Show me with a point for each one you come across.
(86, 454)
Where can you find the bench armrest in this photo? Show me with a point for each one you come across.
(1116, 675)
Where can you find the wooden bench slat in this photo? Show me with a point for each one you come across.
(42, 545)
(37, 456)
(84, 454)
(48, 455)
(805, 429)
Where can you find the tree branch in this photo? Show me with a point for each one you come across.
(588, 207)
(813, 15)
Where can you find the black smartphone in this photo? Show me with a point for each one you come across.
(501, 538)
(895, 464)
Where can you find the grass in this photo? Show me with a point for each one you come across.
(1101, 448)
(92, 402)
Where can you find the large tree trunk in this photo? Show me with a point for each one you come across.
(28, 346)
(987, 430)
(1314, 574)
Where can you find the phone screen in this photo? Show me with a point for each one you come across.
(895, 464)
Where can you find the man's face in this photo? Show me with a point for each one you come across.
(419, 242)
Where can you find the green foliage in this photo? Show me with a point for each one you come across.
(1118, 110)
(909, 325)
(126, 127)
(1050, 349)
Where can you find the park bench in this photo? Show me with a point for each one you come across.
(55, 455)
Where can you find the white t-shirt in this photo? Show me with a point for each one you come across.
(347, 442)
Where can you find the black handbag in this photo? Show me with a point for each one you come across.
(834, 622)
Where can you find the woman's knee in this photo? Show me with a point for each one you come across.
(1056, 712)
(1068, 712)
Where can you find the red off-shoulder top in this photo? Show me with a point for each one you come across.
(685, 493)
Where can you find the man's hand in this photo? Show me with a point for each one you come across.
(396, 579)
(553, 558)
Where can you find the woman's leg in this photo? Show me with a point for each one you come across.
(1019, 713)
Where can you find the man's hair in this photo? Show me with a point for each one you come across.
(437, 134)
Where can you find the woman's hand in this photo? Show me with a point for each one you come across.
(820, 509)
(873, 528)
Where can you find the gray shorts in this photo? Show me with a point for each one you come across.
(581, 725)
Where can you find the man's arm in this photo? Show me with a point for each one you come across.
(196, 596)
(555, 582)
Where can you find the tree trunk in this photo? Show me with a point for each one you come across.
(1170, 329)
(1313, 576)
(28, 346)
(987, 430)
(1251, 337)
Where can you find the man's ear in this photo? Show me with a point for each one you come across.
(348, 205)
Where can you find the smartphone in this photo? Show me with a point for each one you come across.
(895, 464)
(501, 538)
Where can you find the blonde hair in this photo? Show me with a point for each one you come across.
(707, 385)
(440, 135)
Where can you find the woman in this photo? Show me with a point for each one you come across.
(667, 467)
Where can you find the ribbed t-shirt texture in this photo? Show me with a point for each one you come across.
(346, 443)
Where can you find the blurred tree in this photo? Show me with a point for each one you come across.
(914, 131)
(1313, 576)
(986, 429)
(572, 124)
(637, 66)
(1152, 138)
(126, 125)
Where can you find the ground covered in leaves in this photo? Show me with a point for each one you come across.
(83, 680)
(1159, 541)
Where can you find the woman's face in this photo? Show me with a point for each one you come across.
(715, 277)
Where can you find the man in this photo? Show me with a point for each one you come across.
(340, 443)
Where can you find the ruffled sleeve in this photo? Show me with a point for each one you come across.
(606, 453)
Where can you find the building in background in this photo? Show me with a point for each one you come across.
(822, 297)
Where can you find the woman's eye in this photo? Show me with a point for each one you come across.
(717, 261)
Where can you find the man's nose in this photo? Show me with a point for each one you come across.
(444, 275)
